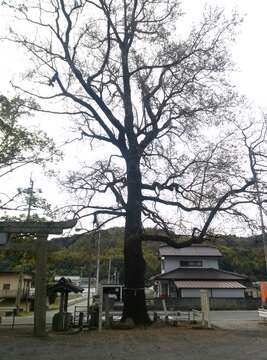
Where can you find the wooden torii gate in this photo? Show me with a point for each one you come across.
(41, 230)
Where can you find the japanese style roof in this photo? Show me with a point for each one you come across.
(64, 285)
(200, 274)
(194, 250)
(210, 284)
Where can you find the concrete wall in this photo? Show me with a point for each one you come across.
(173, 262)
(215, 304)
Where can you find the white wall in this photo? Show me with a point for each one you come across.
(215, 293)
(171, 263)
(192, 293)
(211, 263)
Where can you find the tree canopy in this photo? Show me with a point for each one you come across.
(19, 146)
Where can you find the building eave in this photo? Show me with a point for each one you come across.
(200, 274)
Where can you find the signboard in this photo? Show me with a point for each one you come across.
(113, 291)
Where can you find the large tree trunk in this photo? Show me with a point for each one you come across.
(134, 263)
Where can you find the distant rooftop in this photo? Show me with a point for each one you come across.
(204, 284)
(194, 250)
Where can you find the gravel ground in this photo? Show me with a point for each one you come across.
(149, 344)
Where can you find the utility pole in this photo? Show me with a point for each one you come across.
(88, 296)
(98, 255)
(98, 263)
(19, 291)
(97, 230)
(109, 269)
(30, 192)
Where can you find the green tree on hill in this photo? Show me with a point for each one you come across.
(20, 146)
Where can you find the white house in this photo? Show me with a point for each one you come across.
(185, 271)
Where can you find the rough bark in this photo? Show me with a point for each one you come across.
(134, 263)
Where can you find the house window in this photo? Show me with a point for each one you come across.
(191, 263)
(6, 286)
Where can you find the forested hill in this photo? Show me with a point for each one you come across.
(76, 255)
(243, 255)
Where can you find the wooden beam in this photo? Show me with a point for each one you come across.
(30, 248)
(30, 227)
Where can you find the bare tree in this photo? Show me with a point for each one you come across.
(150, 94)
(256, 144)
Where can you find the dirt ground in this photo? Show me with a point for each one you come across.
(149, 344)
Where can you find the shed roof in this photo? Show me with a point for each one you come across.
(194, 250)
(200, 274)
(205, 284)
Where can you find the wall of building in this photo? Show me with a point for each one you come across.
(192, 293)
(167, 288)
(9, 283)
(214, 293)
(231, 293)
(11, 279)
(171, 262)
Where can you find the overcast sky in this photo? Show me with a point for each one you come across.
(249, 53)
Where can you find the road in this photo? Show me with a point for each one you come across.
(236, 320)
(223, 319)
(247, 315)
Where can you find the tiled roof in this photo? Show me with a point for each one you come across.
(200, 274)
(208, 284)
(196, 250)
